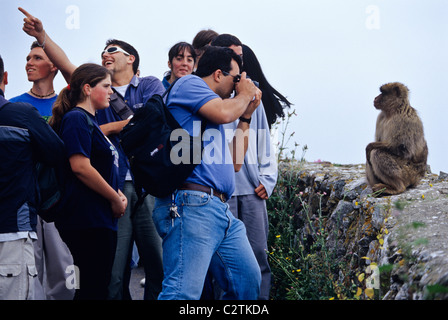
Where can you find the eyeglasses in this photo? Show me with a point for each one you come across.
(112, 50)
(236, 78)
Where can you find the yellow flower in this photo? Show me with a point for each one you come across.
(361, 277)
(278, 236)
(423, 196)
(369, 292)
(366, 258)
(358, 292)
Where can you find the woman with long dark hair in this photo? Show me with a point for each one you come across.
(90, 229)
(273, 101)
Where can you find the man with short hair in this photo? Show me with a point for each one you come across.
(197, 228)
(41, 72)
(123, 60)
(226, 40)
(25, 138)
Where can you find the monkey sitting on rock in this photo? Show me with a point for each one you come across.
(397, 158)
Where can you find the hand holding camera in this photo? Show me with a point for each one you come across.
(249, 87)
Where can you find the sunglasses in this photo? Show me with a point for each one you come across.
(236, 78)
(112, 50)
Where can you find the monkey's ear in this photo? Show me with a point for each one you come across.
(398, 91)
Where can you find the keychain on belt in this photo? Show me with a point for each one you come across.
(173, 210)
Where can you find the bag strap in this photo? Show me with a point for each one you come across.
(119, 106)
(203, 121)
(169, 88)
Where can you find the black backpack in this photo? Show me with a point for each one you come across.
(55, 186)
(146, 142)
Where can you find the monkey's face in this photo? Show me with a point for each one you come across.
(376, 102)
(393, 96)
(386, 102)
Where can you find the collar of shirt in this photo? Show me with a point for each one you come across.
(135, 81)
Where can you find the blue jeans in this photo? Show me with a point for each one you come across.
(204, 234)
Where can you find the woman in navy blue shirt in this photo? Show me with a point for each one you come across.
(90, 229)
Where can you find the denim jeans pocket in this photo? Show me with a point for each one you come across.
(193, 198)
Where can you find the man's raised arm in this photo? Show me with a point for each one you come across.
(34, 27)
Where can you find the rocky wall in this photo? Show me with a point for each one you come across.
(399, 242)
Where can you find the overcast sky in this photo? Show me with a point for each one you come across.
(329, 57)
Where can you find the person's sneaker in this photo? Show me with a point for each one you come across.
(142, 282)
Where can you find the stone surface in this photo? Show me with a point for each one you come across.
(407, 233)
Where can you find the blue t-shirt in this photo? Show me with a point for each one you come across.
(91, 210)
(44, 106)
(216, 169)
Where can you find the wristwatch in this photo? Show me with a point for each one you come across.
(245, 120)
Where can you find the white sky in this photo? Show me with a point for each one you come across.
(329, 57)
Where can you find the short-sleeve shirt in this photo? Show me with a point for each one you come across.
(91, 210)
(44, 106)
(216, 169)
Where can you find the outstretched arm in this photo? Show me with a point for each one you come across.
(34, 27)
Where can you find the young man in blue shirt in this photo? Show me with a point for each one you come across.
(196, 225)
(41, 72)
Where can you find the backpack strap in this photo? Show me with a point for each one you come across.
(169, 88)
(119, 106)
(203, 121)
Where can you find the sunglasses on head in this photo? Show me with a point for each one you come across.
(236, 78)
(112, 50)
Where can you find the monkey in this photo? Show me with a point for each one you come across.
(397, 159)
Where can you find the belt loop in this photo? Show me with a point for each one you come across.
(211, 193)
